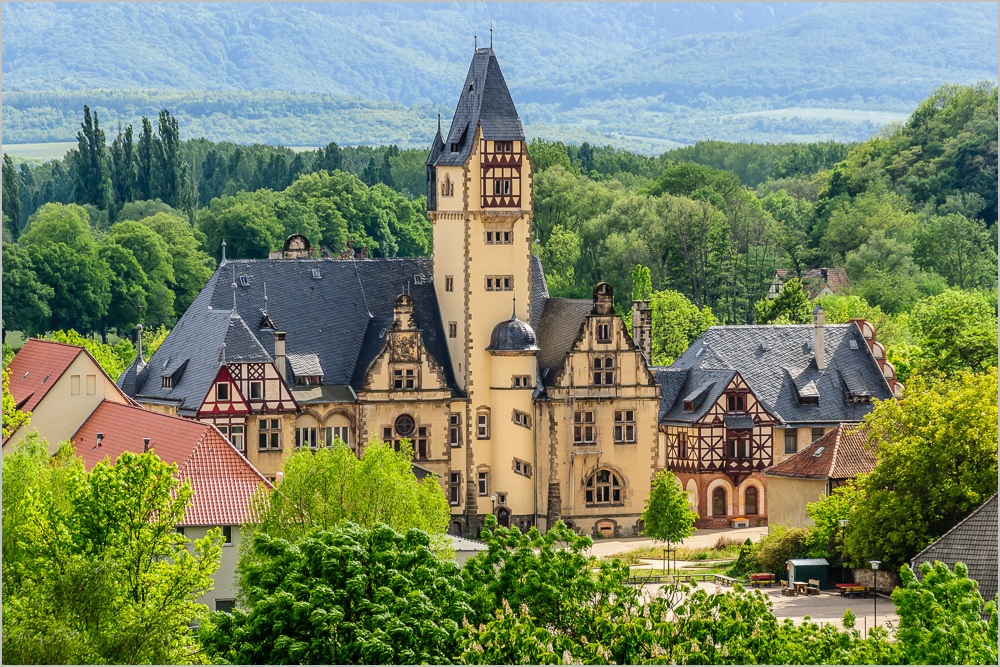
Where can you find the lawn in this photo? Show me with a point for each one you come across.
(724, 549)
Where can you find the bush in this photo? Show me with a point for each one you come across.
(779, 546)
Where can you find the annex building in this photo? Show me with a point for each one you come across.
(531, 408)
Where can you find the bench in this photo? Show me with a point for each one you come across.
(854, 590)
(761, 579)
(786, 589)
(723, 579)
(812, 588)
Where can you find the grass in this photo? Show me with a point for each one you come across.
(724, 549)
(706, 568)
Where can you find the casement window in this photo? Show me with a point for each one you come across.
(719, 501)
(421, 446)
(688, 406)
(522, 467)
(682, 445)
(750, 500)
(521, 419)
(227, 535)
(404, 379)
(455, 430)
(738, 445)
(222, 391)
(604, 332)
(499, 283)
(305, 436)
(452, 329)
(736, 403)
(234, 433)
(449, 284)
(483, 426)
(256, 390)
(522, 382)
(226, 606)
(499, 238)
(484, 484)
(624, 426)
(334, 433)
(455, 488)
(501, 186)
(603, 370)
(791, 440)
(583, 427)
(604, 487)
(817, 433)
(269, 434)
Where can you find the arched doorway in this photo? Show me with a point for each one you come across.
(503, 517)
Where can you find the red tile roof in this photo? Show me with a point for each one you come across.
(222, 479)
(845, 454)
(37, 367)
(814, 279)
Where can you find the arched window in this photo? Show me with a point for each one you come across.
(719, 501)
(750, 500)
(604, 488)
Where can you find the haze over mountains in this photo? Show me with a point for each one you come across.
(640, 76)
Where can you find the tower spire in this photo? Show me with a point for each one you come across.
(138, 342)
(513, 313)
(439, 122)
(223, 252)
(491, 34)
(475, 42)
(265, 298)
(233, 288)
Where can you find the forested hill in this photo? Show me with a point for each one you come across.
(641, 76)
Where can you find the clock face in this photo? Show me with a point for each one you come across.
(405, 425)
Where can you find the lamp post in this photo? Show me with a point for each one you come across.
(875, 564)
(493, 499)
(843, 549)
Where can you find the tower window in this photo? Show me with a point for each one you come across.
(455, 488)
(604, 332)
(499, 283)
(483, 426)
(452, 329)
(521, 419)
(583, 427)
(624, 426)
(499, 237)
(404, 378)
(603, 369)
(455, 430)
(484, 484)
(449, 284)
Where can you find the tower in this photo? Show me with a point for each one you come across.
(479, 202)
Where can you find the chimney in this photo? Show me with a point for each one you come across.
(642, 328)
(402, 312)
(279, 353)
(604, 300)
(145, 444)
(818, 319)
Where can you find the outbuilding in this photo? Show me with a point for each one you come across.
(804, 569)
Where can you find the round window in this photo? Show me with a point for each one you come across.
(405, 425)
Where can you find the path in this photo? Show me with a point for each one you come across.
(702, 539)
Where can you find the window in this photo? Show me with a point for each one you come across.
(521, 419)
(522, 382)
(256, 390)
(688, 406)
(498, 238)
(452, 329)
(227, 534)
(307, 379)
(583, 427)
(736, 403)
(449, 284)
(522, 468)
(791, 440)
(603, 369)
(269, 434)
(719, 501)
(334, 433)
(404, 378)
(180, 530)
(387, 435)
(421, 450)
(682, 445)
(738, 444)
(483, 426)
(499, 283)
(455, 146)
(305, 436)
(404, 426)
(222, 392)
(91, 385)
(455, 488)
(624, 426)
(236, 437)
(226, 606)
(74, 384)
(455, 430)
(750, 500)
(603, 488)
(484, 484)
(817, 433)
(604, 332)
(168, 382)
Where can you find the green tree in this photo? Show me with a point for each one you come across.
(560, 256)
(138, 210)
(349, 595)
(676, 324)
(642, 284)
(122, 163)
(25, 297)
(145, 163)
(943, 618)
(13, 418)
(112, 358)
(959, 249)
(129, 287)
(956, 330)
(94, 570)
(249, 227)
(92, 184)
(11, 198)
(192, 266)
(667, 516)
(826, 537)
(791, 306)
(170, 170)
(154, 256)
(936, 461)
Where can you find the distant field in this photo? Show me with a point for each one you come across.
(819, 113)
(45, 151)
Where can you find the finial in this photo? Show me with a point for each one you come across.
(223, 251)
(222, 355)
(233, 288)
(538, 246)
(513, 313)
(439, 122)
(475, 42)
(265, 297)
(138, 342)
(491, 34)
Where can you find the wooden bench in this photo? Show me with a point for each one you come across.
(854, 590)
(786, 589)
(812, 587)
(761, 579)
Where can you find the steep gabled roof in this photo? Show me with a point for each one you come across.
(702, 388)
(222, 479)
(36, 368)
(972, 541)
(778, 363)
(539, 292)
(485, 102)
(842, 453)
(558, 328)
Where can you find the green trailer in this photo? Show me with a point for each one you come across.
(804, 569)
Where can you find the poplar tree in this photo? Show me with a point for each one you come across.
(11, 197)
(92, 184)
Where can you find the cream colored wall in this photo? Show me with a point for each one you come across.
(61, 413)
(160, 408)
(512, 440)
(224, 579)
(269, 462)
(787, 498)
(804, 440)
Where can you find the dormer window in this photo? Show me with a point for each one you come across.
(604, 332)
(307, 379)
(808, 400)
(603, 370)
(688, 406)
(736, 403)
(168, 382)
(454, 146)
(404, 379)
(222, 391)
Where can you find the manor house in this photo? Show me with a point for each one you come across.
(524, 406)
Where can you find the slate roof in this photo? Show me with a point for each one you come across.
(539, 292)
(338, 317)
(842, 453)
(558, 328)
(36, 368)
(778, 363)
(486, 102)
(679, 385)
(222, 479)
(972, 541)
